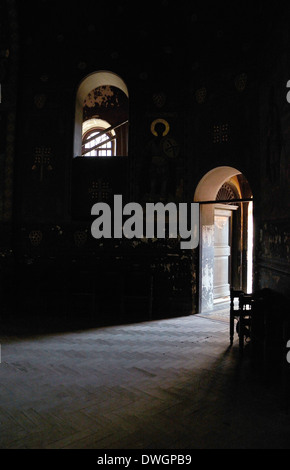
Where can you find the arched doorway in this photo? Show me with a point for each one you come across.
(226, 235)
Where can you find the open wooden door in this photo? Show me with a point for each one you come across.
(222, 251)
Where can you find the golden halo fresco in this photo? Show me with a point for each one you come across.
(157, 121)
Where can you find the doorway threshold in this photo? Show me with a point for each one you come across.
(220, 310)
(221, 300)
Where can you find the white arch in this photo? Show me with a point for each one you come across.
(210, 184)
(95, 123)
(89, 83)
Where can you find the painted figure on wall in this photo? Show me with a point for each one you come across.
(159, 169)
(162, 151)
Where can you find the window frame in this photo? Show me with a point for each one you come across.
(107, 135)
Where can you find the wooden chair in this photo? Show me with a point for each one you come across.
(245, 318)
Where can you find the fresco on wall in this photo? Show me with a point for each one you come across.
(276, 151)
(160, 164)
(108, 103)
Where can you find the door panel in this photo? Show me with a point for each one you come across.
(222, 253)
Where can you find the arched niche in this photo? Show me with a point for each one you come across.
(89, 83)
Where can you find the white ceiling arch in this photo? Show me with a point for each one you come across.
(211, 182)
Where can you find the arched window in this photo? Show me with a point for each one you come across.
(99, 140)
(98, 143)
(102, 116)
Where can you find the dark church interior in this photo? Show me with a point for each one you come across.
(137, 343)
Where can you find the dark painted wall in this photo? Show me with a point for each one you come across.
(211, 71)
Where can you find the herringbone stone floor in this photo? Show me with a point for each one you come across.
(169, 384)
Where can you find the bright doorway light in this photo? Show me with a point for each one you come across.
(250, 249)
